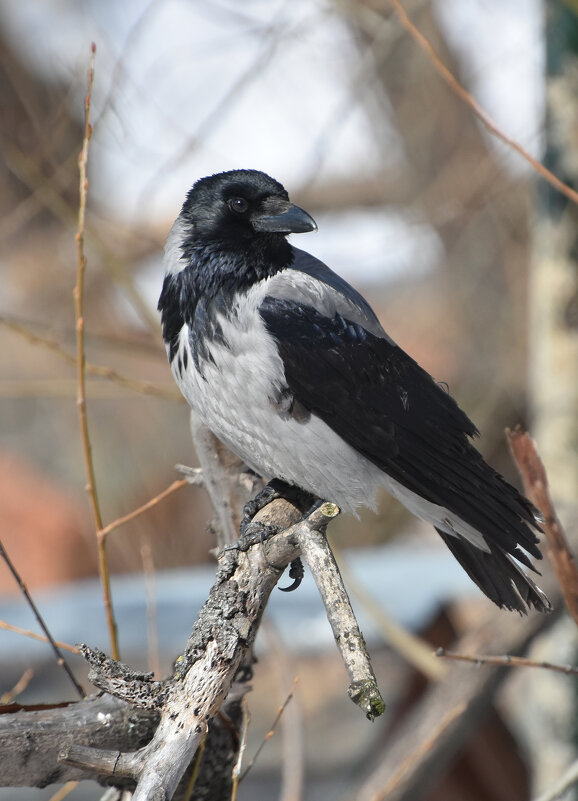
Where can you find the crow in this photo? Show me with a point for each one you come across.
(289, 366)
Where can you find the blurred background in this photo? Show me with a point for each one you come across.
(468, 258)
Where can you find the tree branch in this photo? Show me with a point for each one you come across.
(363, 689)
(223, 633)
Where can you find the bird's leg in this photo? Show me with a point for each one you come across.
(252, 532)
(274, 489)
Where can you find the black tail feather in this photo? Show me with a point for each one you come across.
(497, 575)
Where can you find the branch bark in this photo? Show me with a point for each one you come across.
(223, 633)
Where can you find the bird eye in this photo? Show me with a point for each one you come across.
(238, 204)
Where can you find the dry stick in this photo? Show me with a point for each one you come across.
(81, 401)
(37, 182)
(531, 469)
(271, 731)
(245, 723)
(292, 739)
(121, 521)
(152, 621)
(315, 549)
(64, 791)
(40, 637)
(507, 661)
(60, 660)
(195, 771)
(415, 757)
(409, 646)
(22, 683)
(101, 371)
(456, 87)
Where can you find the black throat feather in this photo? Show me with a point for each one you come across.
(212, 275)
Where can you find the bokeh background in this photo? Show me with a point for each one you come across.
(468, 258)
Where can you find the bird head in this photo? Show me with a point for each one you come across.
(240, 206)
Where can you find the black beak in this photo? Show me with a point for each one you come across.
(288, 219)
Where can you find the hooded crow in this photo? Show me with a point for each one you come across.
(289, 366)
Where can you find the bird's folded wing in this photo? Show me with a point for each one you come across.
(387, 407)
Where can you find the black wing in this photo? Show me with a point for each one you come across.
(386, 406)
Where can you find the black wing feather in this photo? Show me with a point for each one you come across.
(387, 407)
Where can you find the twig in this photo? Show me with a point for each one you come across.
(121, 521)
(19, 687)
(78, 295)
(195, 771)
(531, 469)
(68, 788)
(60, 660)
(151, 609)
(40, 637)
(563, 784)
(101, 371)
(409, 646)
(506, 661)
(271, 731)
(416, 756)
(245, 723)
(293, 741)
(315, 549)
(456, 87)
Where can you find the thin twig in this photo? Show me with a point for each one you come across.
(99, 370)
(195, 771)
(151, 609)
(22, 683)
(415, 757)
(292, 739)
(506, 661)
(60, 660)
(531, 469)
(40, 637)
(245, 722)
(80, 360)
(121, 521)
(271, 731)
(456, 87)
(64, 791)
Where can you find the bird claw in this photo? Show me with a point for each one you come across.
(251, 534)
(296, 572)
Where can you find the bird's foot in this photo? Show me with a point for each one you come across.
(251, 534)
(274, 489)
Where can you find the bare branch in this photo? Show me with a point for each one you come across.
(506, 661)
(525, 454)
(60, 660)
(363, 689)
(40, 637)
(223, 633)
(456, 87)
(78, 295)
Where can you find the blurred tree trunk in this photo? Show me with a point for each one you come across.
(553, 305)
